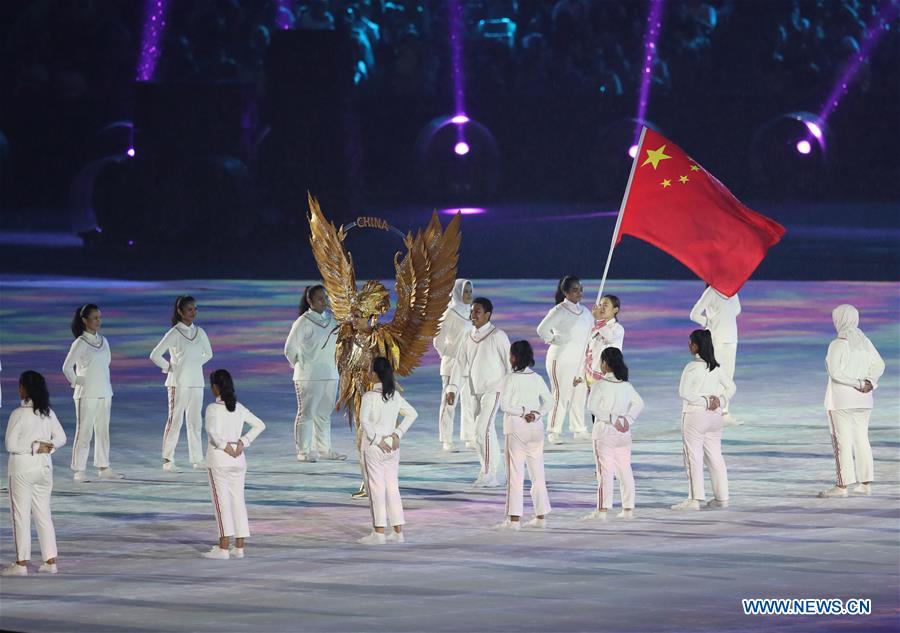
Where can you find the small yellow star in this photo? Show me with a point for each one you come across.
(683, 179)
(694, 168)
(666, 183)
(655, 155)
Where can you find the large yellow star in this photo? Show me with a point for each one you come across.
(666, 183)
(683, 179)
(655, 155)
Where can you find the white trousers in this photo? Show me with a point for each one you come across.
(525, 447)
(701, 433)
(184, 402)
(91, 420)
(448, 413)
(612, 459)
(849, 438)
(29, 495)
(567, 400)
(227, 488)
(726, 354)
(486, 405)
(315, 403)
(380, 471)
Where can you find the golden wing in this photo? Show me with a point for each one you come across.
(334, 262)
(425, 279)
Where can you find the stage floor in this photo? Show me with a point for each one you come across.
(129, 550)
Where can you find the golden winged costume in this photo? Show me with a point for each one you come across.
(424, 281)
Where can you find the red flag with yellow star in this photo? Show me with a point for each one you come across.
(679, 207)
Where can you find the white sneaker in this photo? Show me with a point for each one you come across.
(687, 504)
(80, 476)
(449, 447)
(833, 492)
(554, 438)
(717, 503)
(48, 568)
(471, 445)
(537, 523)
(583, 436)
(493, 481)
(395, 537)
(109, 473)
(596, 515)
(236, 552)
(170, 467)
(333, 456)
(627, 514)
(374, 538)
(216, 553)
(14, 569)
(307, 457)
(863, 489)
(508, 525)
(479, 481)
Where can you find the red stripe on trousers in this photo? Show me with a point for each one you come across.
(12, 507)
(212, 485)
(171, 415)
(835, 446)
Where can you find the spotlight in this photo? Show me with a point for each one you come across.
(804, 147)
(442, 174)
(464, 211)
(616, 149)
(632, 151)
(130, 152)
(814, 129)
(788, 154)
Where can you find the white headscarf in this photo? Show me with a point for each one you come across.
(846, 320)
(456, 298)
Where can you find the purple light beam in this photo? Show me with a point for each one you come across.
(651, 35)
(886, 14)
(457, 36)
(154, 24)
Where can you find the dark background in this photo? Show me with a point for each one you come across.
(243, 116)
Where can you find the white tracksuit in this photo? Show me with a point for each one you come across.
(378, 420)
(454, 328)
(718, 314)
(566, 329)
(483, 362)
(227, 473)
(701, 429)
(31, 478)
(189, 350)
(523, 392)
(609, 400)
(87, 369)
(849, 410)
(310, 350)
(604, 334)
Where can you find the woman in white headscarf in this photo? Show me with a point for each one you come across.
(854, 367)
(455, 325)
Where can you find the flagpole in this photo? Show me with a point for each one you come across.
(615, 235)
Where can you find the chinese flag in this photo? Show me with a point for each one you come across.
(679, 207)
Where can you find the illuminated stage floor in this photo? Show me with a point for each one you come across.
(129, 550)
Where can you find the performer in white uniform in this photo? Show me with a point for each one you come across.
(310, 351)
(189, 350)
(566, 329)
(525, 400)
(32, 435)
(483, 362)
(607, 332)
(455, 326)
(227, 464)
(381, 407)
(615, 405)
(854, 367)
(87, 369)
(718, 314)
(705, 391)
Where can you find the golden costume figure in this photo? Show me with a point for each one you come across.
(424, 281)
